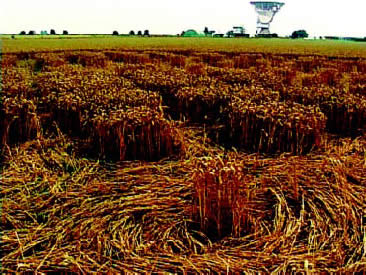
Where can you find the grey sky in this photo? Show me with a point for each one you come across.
(326, 17)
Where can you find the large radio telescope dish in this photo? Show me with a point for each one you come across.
(266, 10)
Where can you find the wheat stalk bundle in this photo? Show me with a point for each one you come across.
(202, 103)
(18, 121)
(136, 133)
(274, 126)
(85, 58)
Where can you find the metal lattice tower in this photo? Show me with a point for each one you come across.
(266, 11)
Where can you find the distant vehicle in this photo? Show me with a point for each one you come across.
(237, 31)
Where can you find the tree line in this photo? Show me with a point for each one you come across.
(294, 35)
(52, 32)
(132, 32)
(65, 32)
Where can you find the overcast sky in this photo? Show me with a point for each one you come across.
(318, 17)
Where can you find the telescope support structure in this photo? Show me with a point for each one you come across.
(266, 11)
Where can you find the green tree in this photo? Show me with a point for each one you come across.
(299, 34)
(230, 34)
(206, 31)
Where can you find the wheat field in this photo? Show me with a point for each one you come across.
(182, 156)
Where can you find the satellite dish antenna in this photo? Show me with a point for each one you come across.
(266, 11)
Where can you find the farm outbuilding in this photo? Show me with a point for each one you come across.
(192, 33)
